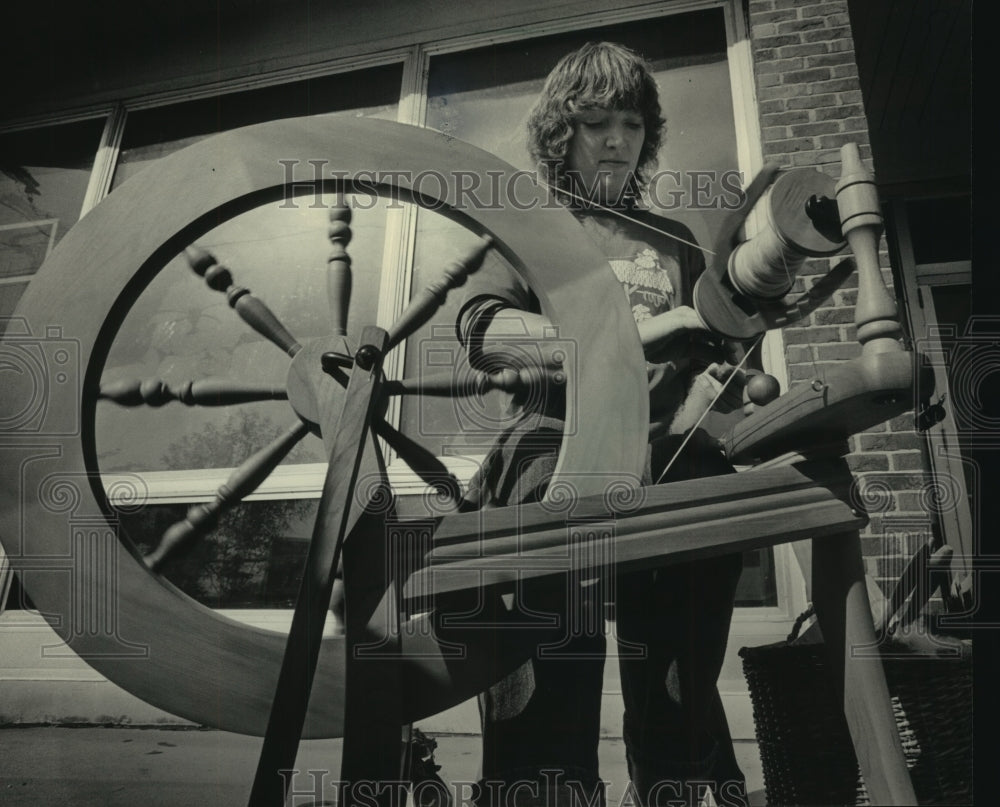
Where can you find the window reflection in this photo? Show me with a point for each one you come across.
(253, 559)
(156, 132)
(43, 180)
(180, 330)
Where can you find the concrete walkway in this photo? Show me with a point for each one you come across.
(115, 767)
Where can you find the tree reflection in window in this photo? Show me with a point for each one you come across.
(254, 556)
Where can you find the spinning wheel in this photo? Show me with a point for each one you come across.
(191, 661)
(186, 659)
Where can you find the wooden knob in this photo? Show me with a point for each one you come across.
(762, 388)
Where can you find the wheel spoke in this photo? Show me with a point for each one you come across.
(426, 302)
(448, 385)
(338, 265)
(206, 392)
(242, 482)
(253, 312)
(423, 462)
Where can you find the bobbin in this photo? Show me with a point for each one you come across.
(802, 222)
(741, 294)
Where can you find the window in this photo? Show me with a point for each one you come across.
(44, 174)
(932, 243)
(180, 330)
(156, 131)
(483, 96)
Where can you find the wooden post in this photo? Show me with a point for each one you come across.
(861, 222)
(348, 441)
(841, 599)
(373, 706)
(838, 580)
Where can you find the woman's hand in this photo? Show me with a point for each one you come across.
(668, 325)
(718, 375)
(703, 391)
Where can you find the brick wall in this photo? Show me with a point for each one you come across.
(810, 104)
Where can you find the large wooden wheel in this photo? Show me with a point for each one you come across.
(161, 645)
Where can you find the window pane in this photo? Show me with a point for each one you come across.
(43, 179)
(159, 131)
(180, 330)
(10, 293)
(253, 559)
(757, 586)
(484, 97)
(466, 425)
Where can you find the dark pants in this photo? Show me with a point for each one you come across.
(541, 724)
(674, 726)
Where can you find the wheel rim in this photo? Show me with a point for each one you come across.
(156, 642)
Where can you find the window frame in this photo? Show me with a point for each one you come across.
(943, 451)
(93, 192)
(398, 253)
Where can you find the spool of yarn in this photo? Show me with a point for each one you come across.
(765, 266)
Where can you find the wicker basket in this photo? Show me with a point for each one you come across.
(805, 747)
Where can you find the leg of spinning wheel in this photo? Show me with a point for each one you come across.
(336, 517)
(370, 762)
(845, 616)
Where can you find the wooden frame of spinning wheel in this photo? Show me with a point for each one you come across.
(219, 178)
(238, 684)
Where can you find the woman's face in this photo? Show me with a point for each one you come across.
(604, 152)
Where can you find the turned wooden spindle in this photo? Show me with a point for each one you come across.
(426, 302)
(511, 380)
(422, 462)
(206, 392)
(338, 265)
(253, 312)
(857, 199)
(201, 518)
(478, 382)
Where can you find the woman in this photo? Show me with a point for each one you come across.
(595, 133)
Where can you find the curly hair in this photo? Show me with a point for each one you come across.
(599, 75)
